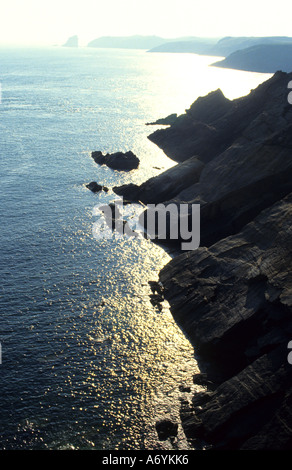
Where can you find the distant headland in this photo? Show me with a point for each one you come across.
(256, 54)
(264, 58)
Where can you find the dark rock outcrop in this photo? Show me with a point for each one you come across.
(117, 161)
(252, 173)
(164, 186)
(250, 411)
(243, 276)
(232, 297)
(95, 187)
(213, 123)
(234, 302)
(167, 121)
(241, 182)
(166, 429)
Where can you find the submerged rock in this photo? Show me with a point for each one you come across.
(117, 161)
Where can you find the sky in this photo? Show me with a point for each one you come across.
(51, 22)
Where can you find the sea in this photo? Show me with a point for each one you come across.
(86, 361)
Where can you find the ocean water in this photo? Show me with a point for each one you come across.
(87, 361)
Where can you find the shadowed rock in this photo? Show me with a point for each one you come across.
(232, 296)
(213, 122)
(95, 187)
(167, 121)
(166, 429)
(164, 186)
(234, 302)
(252, 173)
(117, 161)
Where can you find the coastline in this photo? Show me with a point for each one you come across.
(233, 296)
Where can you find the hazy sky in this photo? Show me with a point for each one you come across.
(48, 22)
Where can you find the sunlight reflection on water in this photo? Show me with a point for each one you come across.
(88, 361)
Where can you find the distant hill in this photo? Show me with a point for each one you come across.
(219, 47)
(71, 42)
(195, 45)
(258, 54)
(128, 42)
(227, 45)
(149, 42)
(262, 58)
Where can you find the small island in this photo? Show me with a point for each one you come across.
(117, 161)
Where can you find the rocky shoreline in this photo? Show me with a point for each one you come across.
(233, 300)
(233, 296)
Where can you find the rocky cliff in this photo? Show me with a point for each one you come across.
(233, 296)
(234, 302)
(213, 123)
(235, 158)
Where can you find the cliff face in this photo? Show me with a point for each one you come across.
(236, 158)
(233, 296)
(234, 302)
(213, 123)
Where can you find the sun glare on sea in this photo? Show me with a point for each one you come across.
(198, 77)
